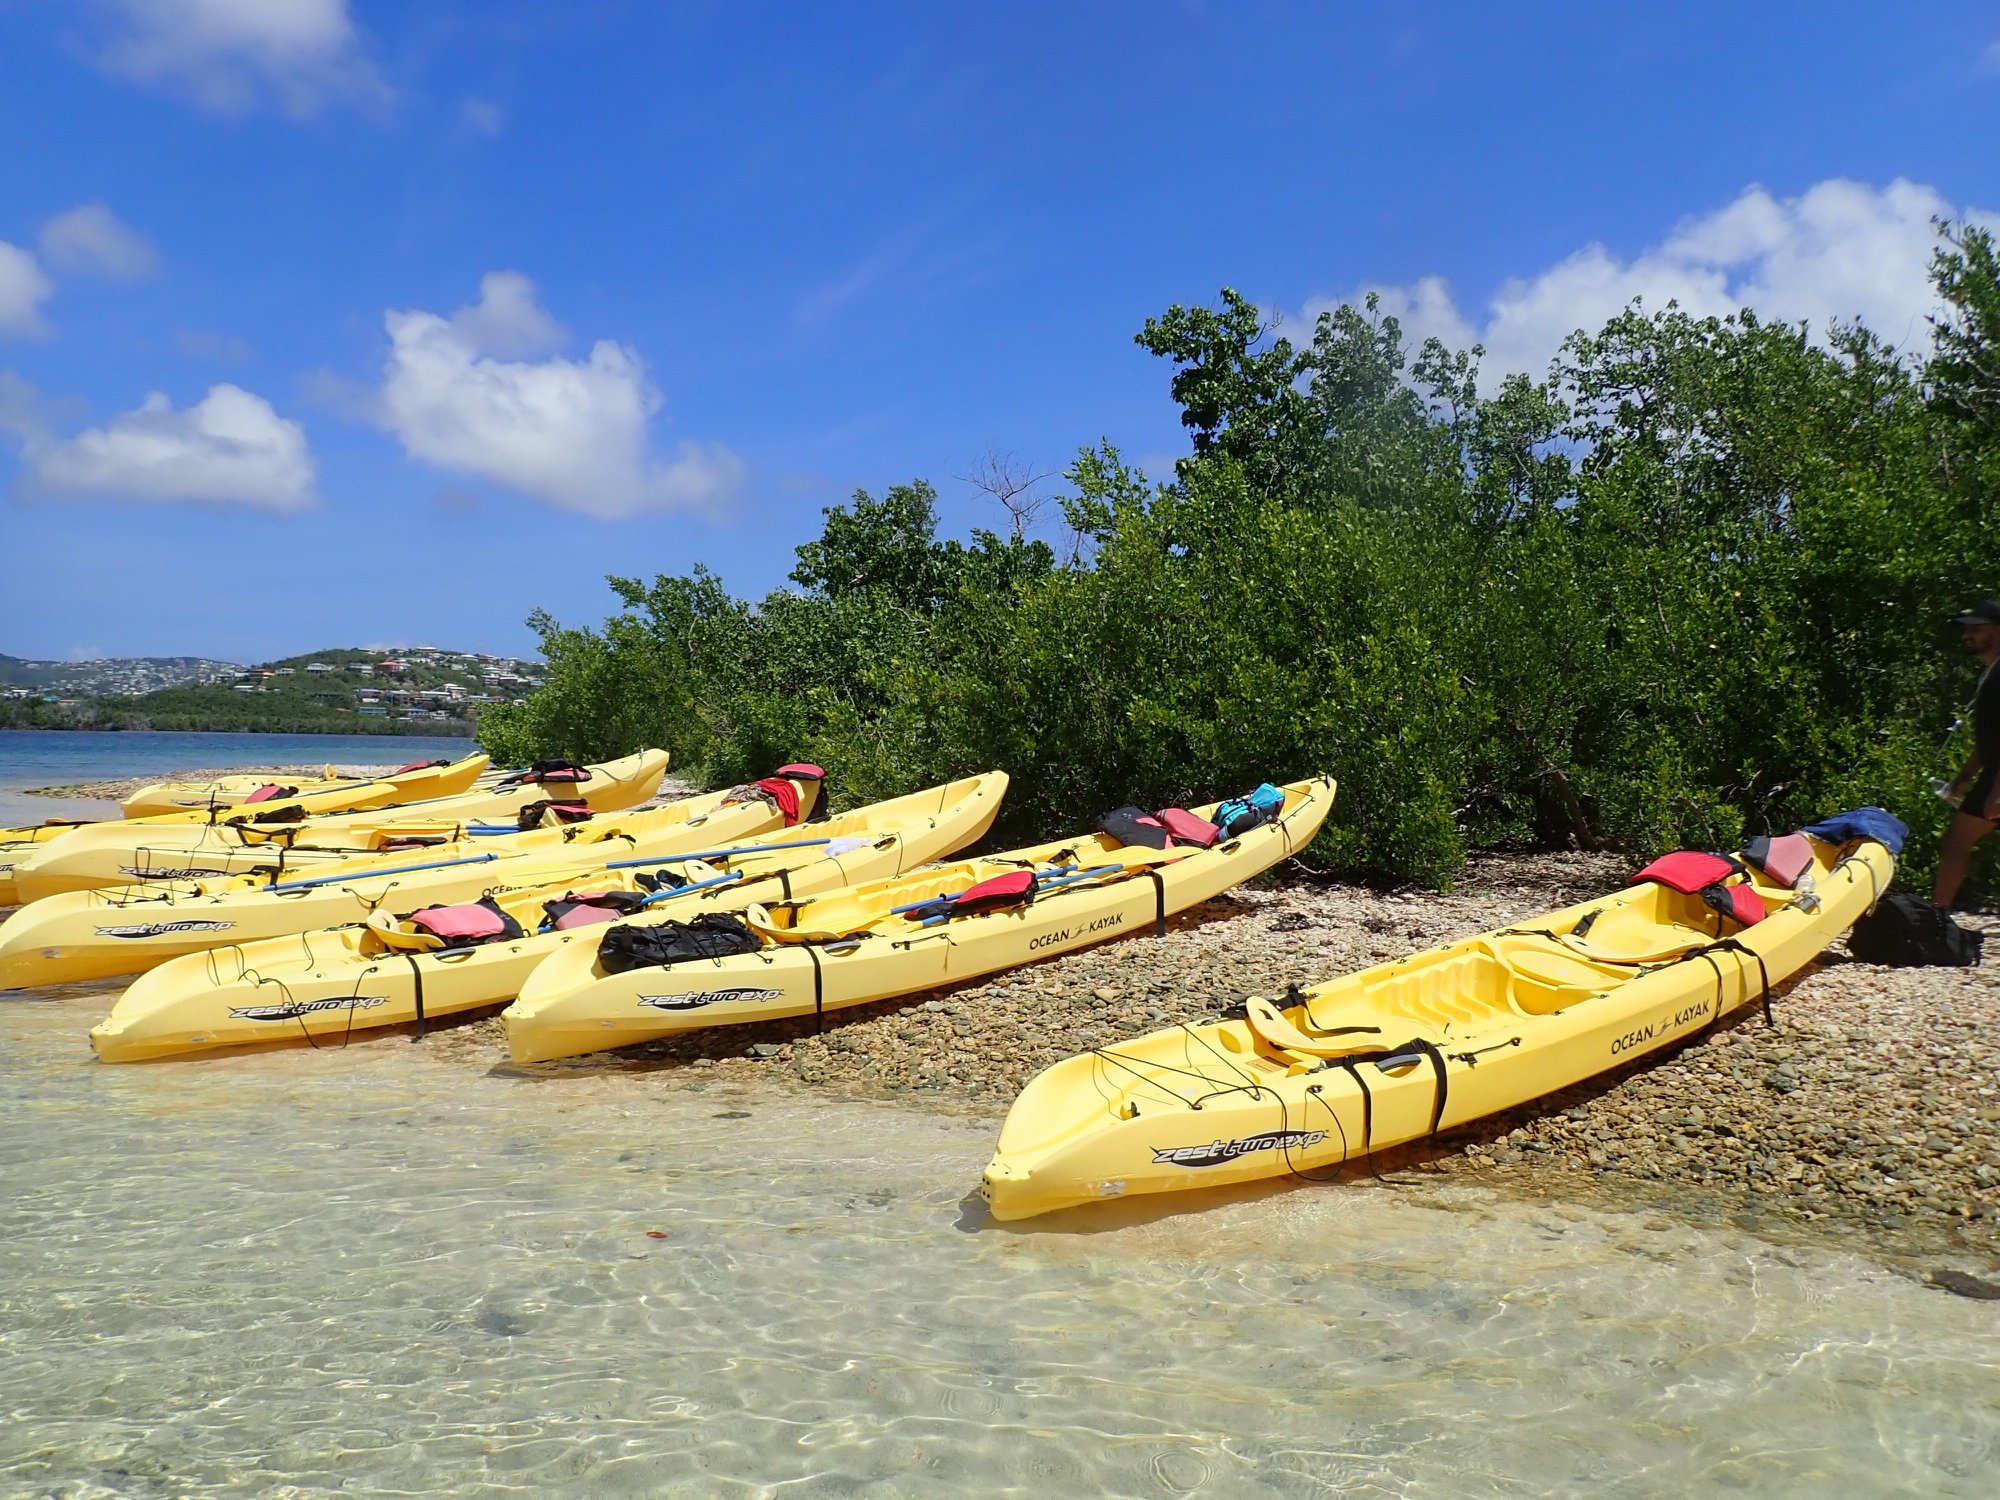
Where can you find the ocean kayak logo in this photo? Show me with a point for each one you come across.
(291, 1010)
(162, 929)
(1217, 1152)
(705, 997)
(158, 872)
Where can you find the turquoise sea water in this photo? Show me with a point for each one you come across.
(45, 757)
(386, 1271)
(38, 757)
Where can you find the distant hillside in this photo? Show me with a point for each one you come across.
(342, 690)
(117, 674)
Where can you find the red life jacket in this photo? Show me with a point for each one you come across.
(1015, 888)
(1687, 871)
(1706, 875)
(1187, 828)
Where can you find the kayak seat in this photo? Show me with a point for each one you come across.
(385, 934)
(1273, 1028)
(1550, 980)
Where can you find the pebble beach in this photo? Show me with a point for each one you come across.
(1870, 1112)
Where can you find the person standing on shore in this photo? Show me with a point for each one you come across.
(1975, 791)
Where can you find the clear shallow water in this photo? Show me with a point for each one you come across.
(386, 1271)
(48, 757)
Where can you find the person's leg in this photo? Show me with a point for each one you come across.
(1955, 854)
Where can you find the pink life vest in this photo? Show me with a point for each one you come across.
(585, 914)
(1784, 859)
(269, 790)
(1186, 828)
(463, 926)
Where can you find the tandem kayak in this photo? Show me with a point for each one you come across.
(166, 798)
(1323, 1076)
(894, 937)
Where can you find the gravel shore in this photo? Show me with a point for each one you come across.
(1870, 1111)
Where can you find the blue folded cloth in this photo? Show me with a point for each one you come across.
(1885, 828)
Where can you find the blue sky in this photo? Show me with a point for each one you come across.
(327, 323)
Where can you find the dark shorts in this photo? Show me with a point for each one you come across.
(1974, 800)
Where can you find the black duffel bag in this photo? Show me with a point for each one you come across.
(1907, 931)
(655, 945)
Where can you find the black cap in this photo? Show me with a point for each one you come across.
(1983, 612)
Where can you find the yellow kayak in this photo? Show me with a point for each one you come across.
(128, 929)
(19, 845)
(232, 792)
(1302, 1085)
(885, 938)
(112, 853)
(337, 982)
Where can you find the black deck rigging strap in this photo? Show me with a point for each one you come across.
(1736, 945)
(1444, 1083)
(819, 991)
(1159, 901)
(418, 974)
(1367, 1108)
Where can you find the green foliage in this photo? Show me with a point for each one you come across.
(1692, 585)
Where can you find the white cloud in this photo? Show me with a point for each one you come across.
(23, 290)
(506, 321)
(229, 448)
(1840, 250)
(570, 432)
(231, 55)
(91, 240)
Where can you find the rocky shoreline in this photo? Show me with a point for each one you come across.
(1870, 1111)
